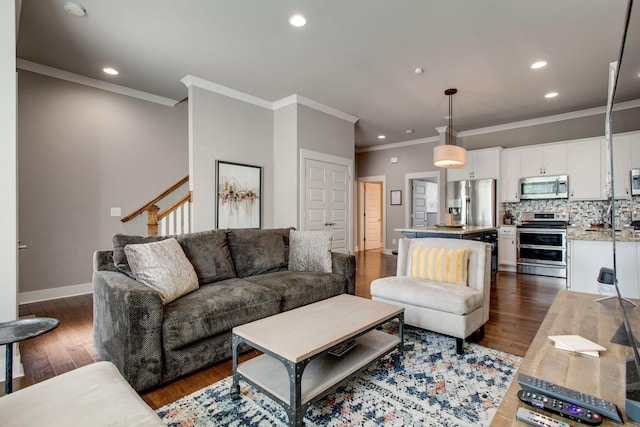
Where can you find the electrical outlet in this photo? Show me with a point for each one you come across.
(394, 241)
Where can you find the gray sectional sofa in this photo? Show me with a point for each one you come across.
(243, 276)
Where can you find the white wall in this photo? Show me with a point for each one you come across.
(8, 162)
(224, 128)
(285, 161)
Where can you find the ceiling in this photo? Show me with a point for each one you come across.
(357, 56)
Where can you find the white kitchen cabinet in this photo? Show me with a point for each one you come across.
(509, 176)
(481, 164)
(635, 151)
(584, 168)
(621, 166)
(507, 248)
(586, 257)
(545, 160)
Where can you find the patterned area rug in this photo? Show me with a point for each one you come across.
(432, 387)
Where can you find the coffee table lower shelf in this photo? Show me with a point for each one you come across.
(321, 375)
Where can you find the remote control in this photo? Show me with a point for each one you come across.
(595, 404)
(534, 418)
(569, 410)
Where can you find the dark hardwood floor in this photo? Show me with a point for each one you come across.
(518, 305)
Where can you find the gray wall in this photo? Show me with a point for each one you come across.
(411, 159)
(82, 151)
(321, 132)
(227, 129)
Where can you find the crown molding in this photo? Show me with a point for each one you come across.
(301, 100)
(45, 70)
(509, 126)
(550, 119)
(190, 80)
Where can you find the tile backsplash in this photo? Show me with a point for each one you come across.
(581, 214)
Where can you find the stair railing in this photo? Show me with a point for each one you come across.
(174, 220)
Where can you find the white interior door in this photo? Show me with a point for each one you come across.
(419, 209)
(326, 204)
(372, 215)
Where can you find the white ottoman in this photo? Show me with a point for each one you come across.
(95, 395)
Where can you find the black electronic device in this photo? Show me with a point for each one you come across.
(632, 385)
(593, 403)
(537, 419)
(564, 409)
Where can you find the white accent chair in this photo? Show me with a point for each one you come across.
(446, 308)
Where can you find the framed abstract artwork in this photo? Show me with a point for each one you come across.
(239, 198)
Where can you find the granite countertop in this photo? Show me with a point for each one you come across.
(467, 229)
(603, 235)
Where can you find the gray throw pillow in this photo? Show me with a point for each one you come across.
(259, 251)
(122, 240)
(209, 254)
(164, 267)
(310, 251)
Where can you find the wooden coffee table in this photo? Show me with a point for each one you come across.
(296, 368)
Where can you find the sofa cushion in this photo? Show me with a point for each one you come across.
(122, 240)
(214, 309)
(423, 293)
(439, 264)
(259, 251)
(162, 266)
(300, 288)
(310, 251)
(209, 255)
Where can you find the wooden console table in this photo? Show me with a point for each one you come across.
(576, 313)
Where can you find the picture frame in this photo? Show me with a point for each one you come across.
(396, 197)
(238, 195)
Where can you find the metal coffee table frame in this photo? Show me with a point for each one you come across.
(297, 408)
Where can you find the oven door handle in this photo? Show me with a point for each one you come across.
(542, 247)
(541, 230)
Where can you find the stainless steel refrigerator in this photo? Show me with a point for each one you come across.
(472, 202)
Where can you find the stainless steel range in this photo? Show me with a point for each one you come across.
(541, 243)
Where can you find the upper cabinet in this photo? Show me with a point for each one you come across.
(547, 160)
(509, 175)
(481, 164)
(584, 167)
(622, 159)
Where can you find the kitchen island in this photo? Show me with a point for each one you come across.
(588, 251)
(468, 232)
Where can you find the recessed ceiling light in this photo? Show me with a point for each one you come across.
(110, 71)
(538, 64)
(551, 95)
(298, 21)
(381, 137)
(418, 70)
(74, 9)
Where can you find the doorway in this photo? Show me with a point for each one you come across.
(424, 193)
(371, 213)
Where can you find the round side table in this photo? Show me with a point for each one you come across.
(20, 330)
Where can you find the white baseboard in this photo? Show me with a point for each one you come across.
(55, 293)
(388, 251)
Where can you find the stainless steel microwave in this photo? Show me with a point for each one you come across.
(635, 181)
(544, 187)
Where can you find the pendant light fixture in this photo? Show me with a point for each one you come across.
(449, 155)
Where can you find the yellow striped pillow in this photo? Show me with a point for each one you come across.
(440, 264)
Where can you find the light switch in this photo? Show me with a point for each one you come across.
(394, 160)
(116, 212)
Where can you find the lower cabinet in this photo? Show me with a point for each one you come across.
(586, 257)
(507, 248)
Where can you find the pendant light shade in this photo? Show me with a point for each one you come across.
(449, 155)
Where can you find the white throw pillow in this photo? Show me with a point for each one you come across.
(164, 267)
(310, 251)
